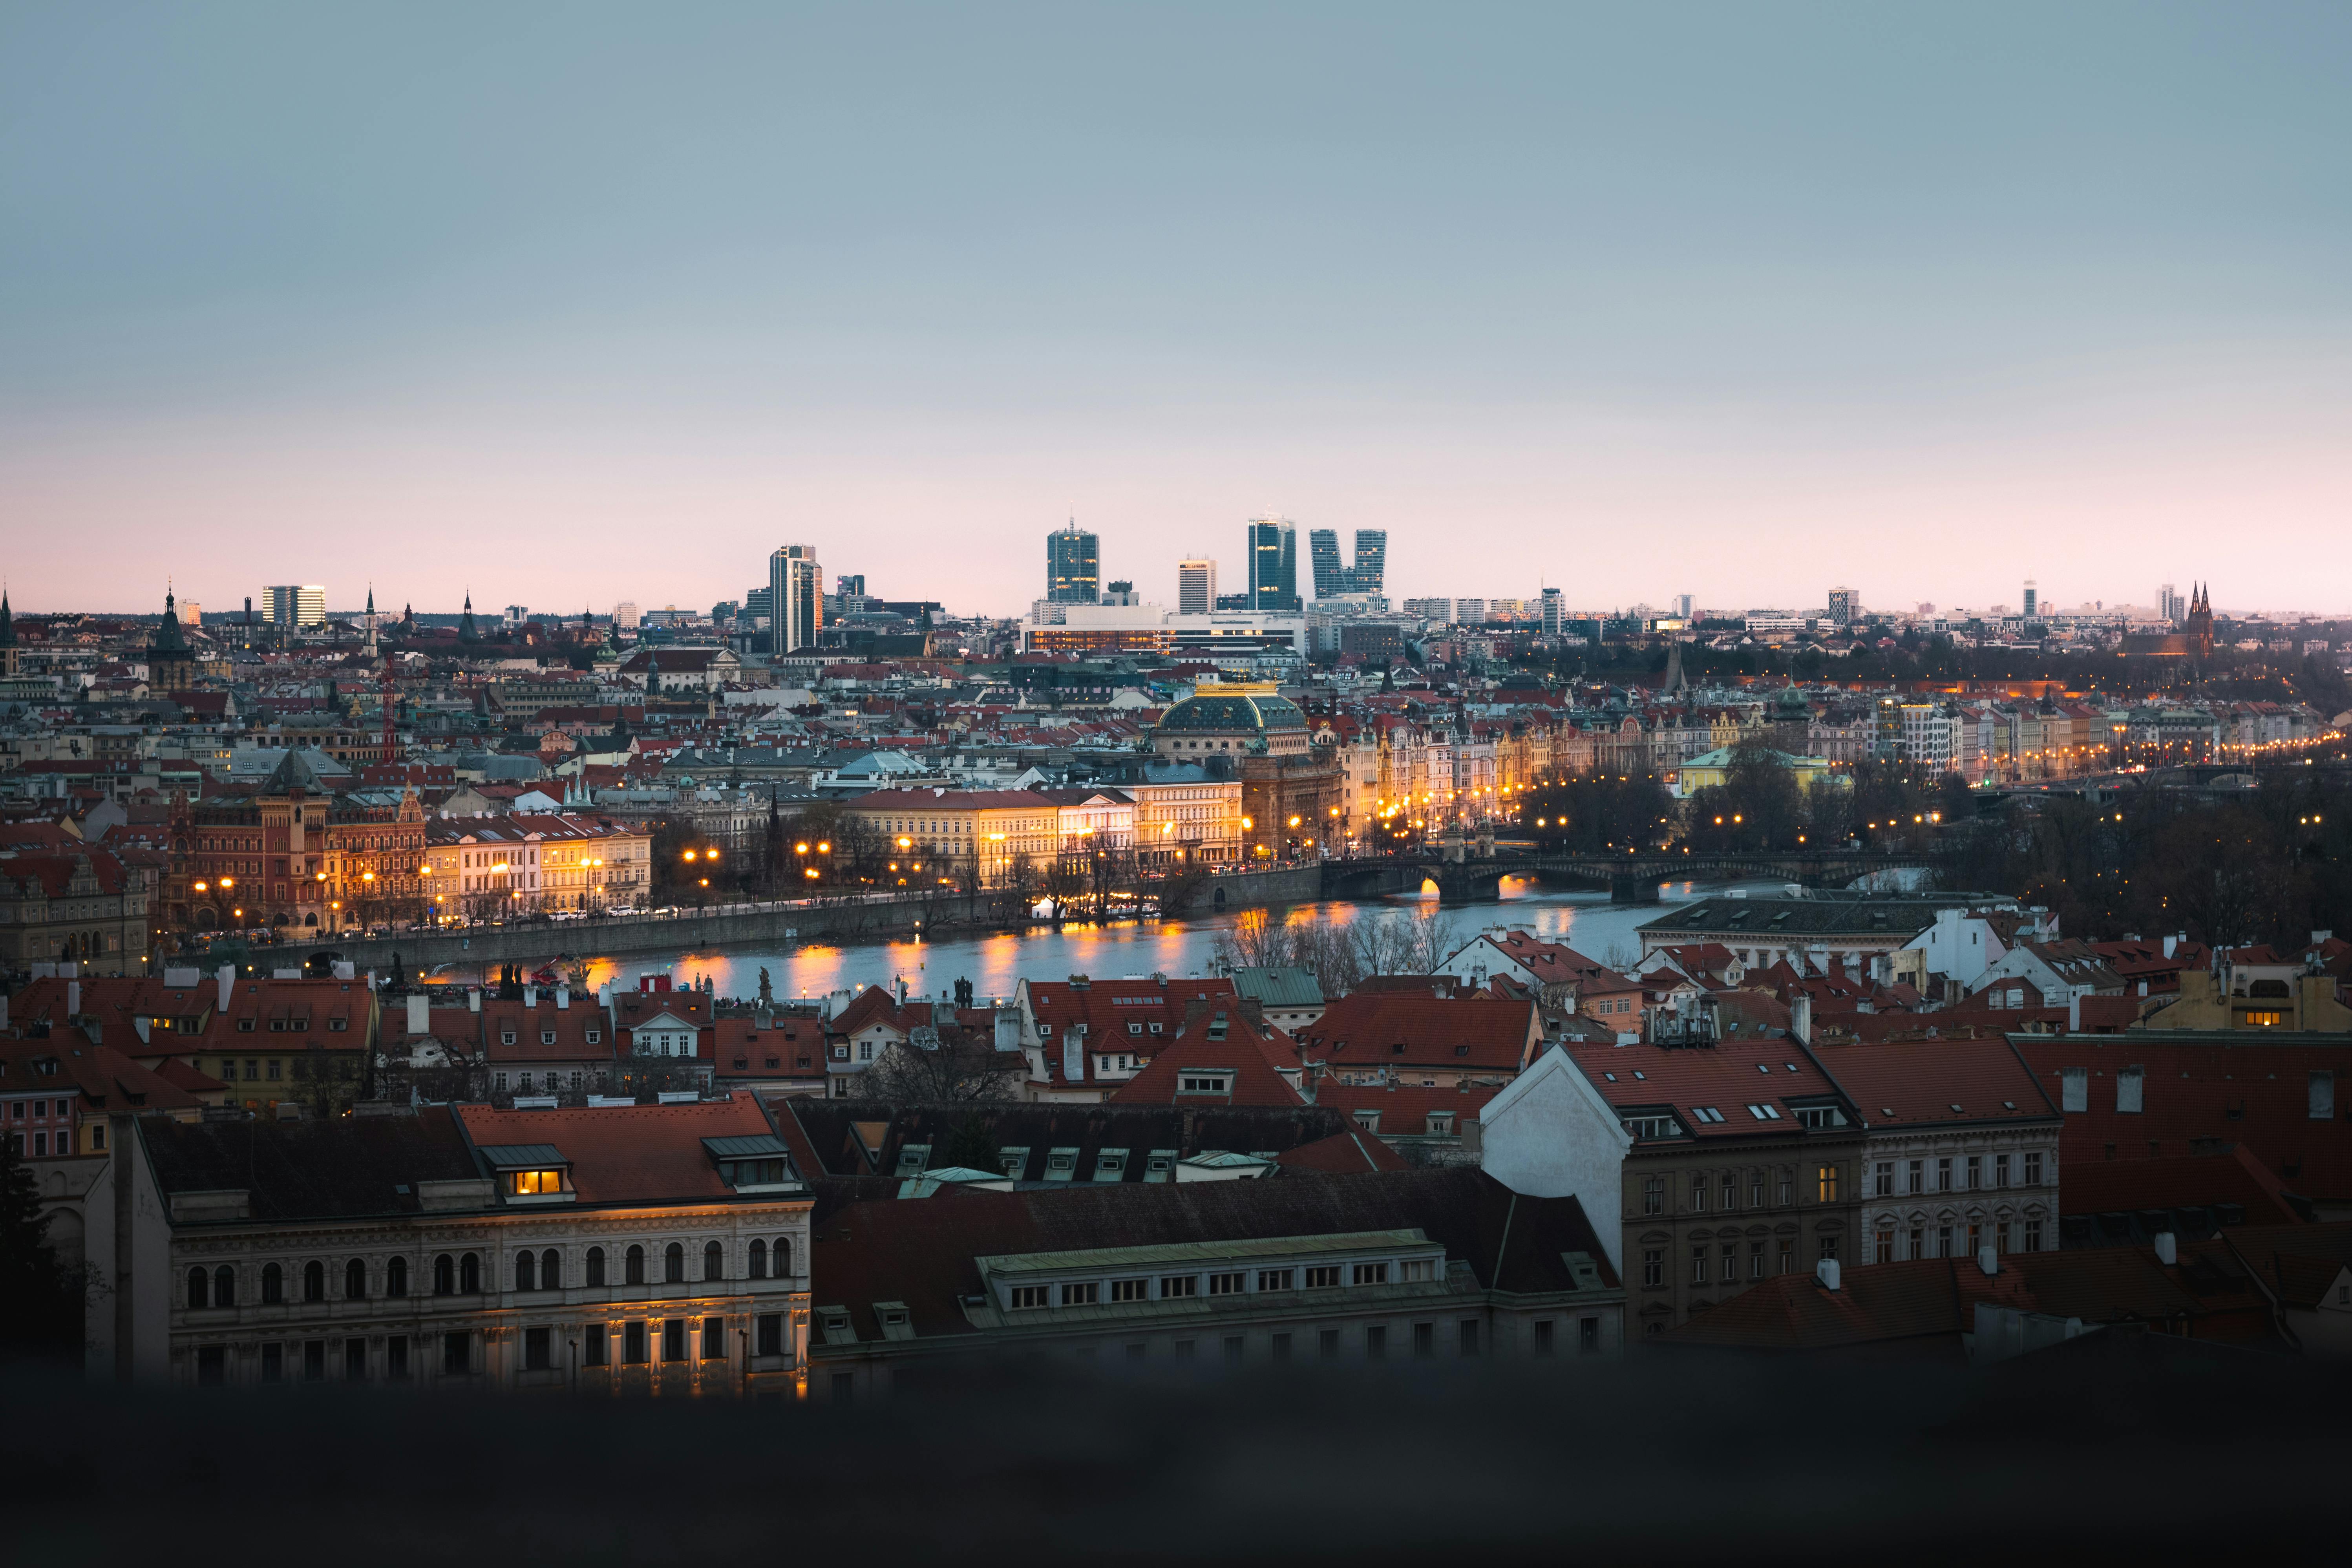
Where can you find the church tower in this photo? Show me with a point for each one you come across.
(2200, 622)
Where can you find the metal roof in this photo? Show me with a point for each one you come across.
(1203, 1252)
(757, 1143)
(516, 1157)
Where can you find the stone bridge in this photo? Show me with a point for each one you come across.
(1633, 879)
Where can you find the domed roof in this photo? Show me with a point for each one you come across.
(1227, 711)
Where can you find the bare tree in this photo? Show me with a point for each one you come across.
(1257, 941)
(935, 1068)
(1414, 943)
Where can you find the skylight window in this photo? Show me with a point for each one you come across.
(1764, 1113)
(1706, 1113)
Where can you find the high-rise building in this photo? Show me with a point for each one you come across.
(2032, 599)
(2171, 604)
(1273, 564)
(298, 606)
(1554, 614)
(1845, 606)
(626, 616)
(795, 598)
(1331, 578)
(1120, 594)
(1470, 612)
(1072, 565)
(1196, 586)
(1371, 572)
(1683, 606)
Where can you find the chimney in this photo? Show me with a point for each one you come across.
(1800, 1018)
(73, 998)
(563, 998)
(1826, 1271)
(2170, 942)
(530, 995)
(1988, 1259)
(2168, 1249)
(473, 998)
(227, 978)
(420, 1014)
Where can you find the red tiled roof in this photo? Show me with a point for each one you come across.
(2252, 1089)
(2195, 1180)
(643, 1154)
(1343, 1155)
(1213, 1036)
(1725, 1077)
(1908, 1085)
(1482, 1033)
(1934, 1300)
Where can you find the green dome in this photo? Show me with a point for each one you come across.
(1233, 713)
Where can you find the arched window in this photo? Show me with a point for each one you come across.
(526, 1271)
(396, 1276)
(314, 1281)
(783, 1257)
(637, 1265)
(444, 1276)
(714, 1261)
(223, 1286)
(596, 1266)
(200, 1287)
(469, 1274)
(758, 1265)
(674, 1264)
(550, 1271)
(273, 1284)
(356, 1279)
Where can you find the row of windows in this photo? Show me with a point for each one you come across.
(1228, 1282)
(461, 1274)
(1372, 1341)
(1970, 1170)
(1726, 1264)
(1889, 1244)
(538, 1350)
(1780, 1185)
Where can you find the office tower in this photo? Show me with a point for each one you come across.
(1844, 604)
(850, 585)
(1120, 594)
(2171, 604)
(1683, 606)
(1273, 564)
(298, 606)
(1430, 609)
(756, 602)
(1196, 586)
(1072, 565)
(1554, 615)
(1331, 579)
(796, 597)
(1470, 612)
(626, 616)
(1371, 561)
(2032, 600)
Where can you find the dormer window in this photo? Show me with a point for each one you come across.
(547, 1037)
(594, 1036)
(535, 1183)
(506, 1036)
(1203, 1083)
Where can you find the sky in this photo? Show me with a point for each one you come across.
(570, 304)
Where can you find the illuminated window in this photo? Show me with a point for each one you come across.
(528, 1184)
(1827, 1177)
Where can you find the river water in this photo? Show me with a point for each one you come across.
(1585, 920)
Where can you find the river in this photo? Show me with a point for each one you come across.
(994, 963)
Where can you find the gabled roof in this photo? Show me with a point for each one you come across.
(1237, 1048)
(1895, 1087)
(630, 1153)
(1416, 1029)
(1723, 1079)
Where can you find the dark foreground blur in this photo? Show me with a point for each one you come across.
(2130, 1451)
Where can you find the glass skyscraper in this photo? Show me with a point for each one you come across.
(1371, 561)
(1331, 578)
(1273, 564)
(1072, 566)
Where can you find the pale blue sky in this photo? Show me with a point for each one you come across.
(576, 303)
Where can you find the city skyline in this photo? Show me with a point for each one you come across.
(1772, 291)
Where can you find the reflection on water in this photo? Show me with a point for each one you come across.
(994, 963)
